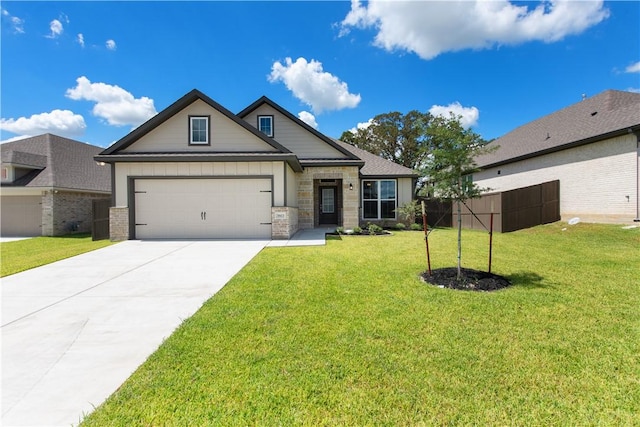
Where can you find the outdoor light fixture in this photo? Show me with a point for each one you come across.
(350, 186)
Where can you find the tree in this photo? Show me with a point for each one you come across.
(400, 138)
(451, 162)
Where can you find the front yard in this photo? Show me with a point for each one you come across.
(22, 255)
(347, 335)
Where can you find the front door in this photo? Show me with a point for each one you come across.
(328, 206)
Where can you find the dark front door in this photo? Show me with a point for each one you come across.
(328, 206)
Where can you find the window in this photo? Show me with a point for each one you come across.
(265, 125)
(379, 199)
(199, 130)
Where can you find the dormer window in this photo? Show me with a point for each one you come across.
(265, 125)
(199, 130)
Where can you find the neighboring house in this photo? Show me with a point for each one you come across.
(196, 170)
(48, 184)
(593, 149)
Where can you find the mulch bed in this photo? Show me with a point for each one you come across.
(471, 280)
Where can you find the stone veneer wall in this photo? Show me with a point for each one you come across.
(350, 198)
(118, 223)
(65, 212)
(284, 222)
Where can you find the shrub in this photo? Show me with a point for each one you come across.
(409, 211)
(416, 227)
(400, 226)
(340, 230)
(374, 229)
(357, 230)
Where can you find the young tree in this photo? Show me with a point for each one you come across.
(450, 164)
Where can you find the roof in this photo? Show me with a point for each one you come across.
(606, 115)
(175, 108)
(57, 162)
(264, 100)
(376, 166)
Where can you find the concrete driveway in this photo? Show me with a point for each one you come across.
(75, 330)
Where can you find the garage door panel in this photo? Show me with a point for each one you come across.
(21, 216)
(203, 208)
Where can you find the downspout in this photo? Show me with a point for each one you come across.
(637, 218)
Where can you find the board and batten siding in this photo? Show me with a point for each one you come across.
(173, 135)
(405, 191)
(292, 187)
(194, 169)
(598, 181)
(293, 136)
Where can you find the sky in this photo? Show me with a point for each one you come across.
(93, 71)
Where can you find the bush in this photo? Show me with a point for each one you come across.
(400, 226)
(374, 229)
(416, 227)
(357, 230)
(340, 230)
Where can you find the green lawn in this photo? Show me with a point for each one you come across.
(347, 335)
(22, 255)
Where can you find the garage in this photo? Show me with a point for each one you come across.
(21, 216)
(203, 208)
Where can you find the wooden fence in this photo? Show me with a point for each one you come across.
(100, 222)
(513, 210)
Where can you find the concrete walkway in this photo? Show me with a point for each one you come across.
(75, 330)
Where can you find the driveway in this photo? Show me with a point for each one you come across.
(75, 330)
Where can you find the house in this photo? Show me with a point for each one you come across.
(197, 170)
(48, 184)
(591, 147)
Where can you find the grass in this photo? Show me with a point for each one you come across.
(22, 255)
(347, 335)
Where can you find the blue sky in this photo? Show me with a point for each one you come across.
(93, 71)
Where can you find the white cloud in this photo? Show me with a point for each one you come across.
(111, 44)
(429, 28)
(80, 39)
(308, 118)
(468, 115)
(59, 122)
(313, 86)
(16, 23)
(15, 138)
(633, 68)
(361, 125)
(114, 104)
(56, 29)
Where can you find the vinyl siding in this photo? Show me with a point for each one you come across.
(598, 181)
(292, 187)
(205, 169)
(405, 191)
(173, 134)
(294, 137)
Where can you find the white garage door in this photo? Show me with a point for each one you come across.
(21, 216)
(203, 208)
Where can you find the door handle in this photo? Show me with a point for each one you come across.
(205, 215)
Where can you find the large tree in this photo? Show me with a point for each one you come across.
(401, 138)
(451, 163)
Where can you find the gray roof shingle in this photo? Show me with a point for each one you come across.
(59, 162)
(602, 116)
(376, 166)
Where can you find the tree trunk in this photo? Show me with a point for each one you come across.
(459, 240)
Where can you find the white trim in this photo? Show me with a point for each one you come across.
(207, 136)
(379, 199)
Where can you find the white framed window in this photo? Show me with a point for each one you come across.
(379, 199)
(199, 130)
(265, 125)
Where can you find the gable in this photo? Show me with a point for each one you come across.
(294, 137)
(172, 135)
